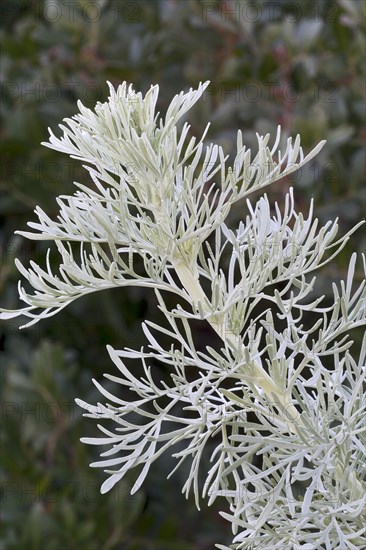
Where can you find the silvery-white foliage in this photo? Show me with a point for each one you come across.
(280, 406)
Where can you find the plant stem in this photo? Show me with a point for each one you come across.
(189, 278)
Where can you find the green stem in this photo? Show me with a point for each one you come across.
(189, 278)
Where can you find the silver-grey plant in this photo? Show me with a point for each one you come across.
(285, 403)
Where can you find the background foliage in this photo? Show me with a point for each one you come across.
(298, 64)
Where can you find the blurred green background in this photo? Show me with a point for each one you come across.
(298, 64)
